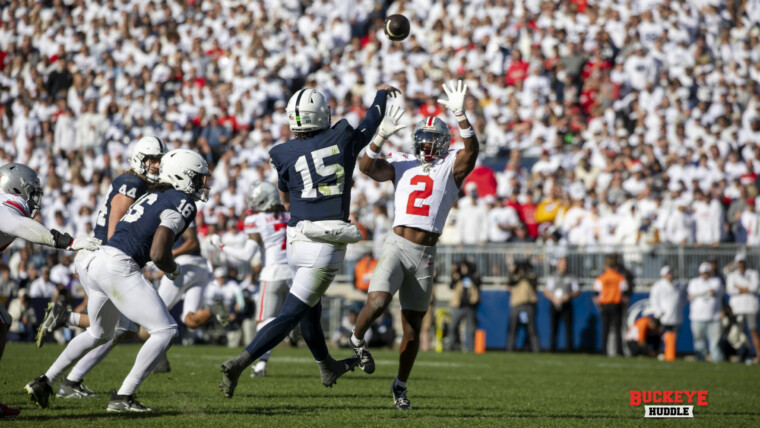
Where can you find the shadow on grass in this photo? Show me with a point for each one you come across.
(49, 416)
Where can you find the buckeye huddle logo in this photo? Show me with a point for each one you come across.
(668, 404)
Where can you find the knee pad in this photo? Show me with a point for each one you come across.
(100, 337)
(170, 331)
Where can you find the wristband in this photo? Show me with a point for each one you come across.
(379, 140)
(467, 133)
(372, 154)
(460, 116)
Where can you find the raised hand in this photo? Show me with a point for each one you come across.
(390, 124)
(456, 95)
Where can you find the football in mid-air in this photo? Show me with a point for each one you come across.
(397, 27)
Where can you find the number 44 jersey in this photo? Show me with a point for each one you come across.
(129, 185)
(425, 193)
(134, 232)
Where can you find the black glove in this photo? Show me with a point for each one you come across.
(62, 240)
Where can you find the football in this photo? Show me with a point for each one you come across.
(397, 27)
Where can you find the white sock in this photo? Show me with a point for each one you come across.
(262, 364)
(356, 341)
(89, 361)
(78, 346)
(74, 319)
(146, 360)
(399, 383)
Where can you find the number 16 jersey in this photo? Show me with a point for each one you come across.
(424, 193)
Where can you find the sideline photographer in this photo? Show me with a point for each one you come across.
(522, 286)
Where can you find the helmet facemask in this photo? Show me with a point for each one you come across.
(35, 200)
(199, 184)
(429, 146)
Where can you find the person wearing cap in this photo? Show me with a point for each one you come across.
(742, 286)
(610, 289)
(705, 295)
(667, 300)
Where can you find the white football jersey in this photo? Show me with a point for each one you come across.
(10, 206)
(272, 228)
(424, 193)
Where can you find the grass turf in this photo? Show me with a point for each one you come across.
(450, 389)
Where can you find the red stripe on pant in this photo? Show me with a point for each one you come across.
(261, 302)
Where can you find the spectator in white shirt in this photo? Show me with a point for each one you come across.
(742, 285)
(502, 220)
(472, 217)
(705, 295)
(42, 286)
(708, 220)
(667, 300)
(679, 229)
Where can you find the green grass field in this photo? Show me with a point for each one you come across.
(451, 389)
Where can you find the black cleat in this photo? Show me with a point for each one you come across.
(331, 370)
(126, 403)
(70, 389)
(231, 371)
(399, 397)
(40, 391)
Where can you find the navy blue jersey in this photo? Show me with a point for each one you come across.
(181, 240)
(134, 233)
(129, 185)
(318, 171)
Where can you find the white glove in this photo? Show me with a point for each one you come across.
(216, 241)
(84, 243)
(389, 125)
(455, 103)
(174, 275)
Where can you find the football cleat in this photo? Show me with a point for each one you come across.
(220, 312)
(126, 403)
(162, 366)
(400, 398)
(39, 391)
(56, 316)
(330, 370)
(71, 389)
(366, 362)
(231, 371)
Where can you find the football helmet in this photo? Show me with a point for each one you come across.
(308, 111)
(187, 172)
(262, 197)
(19, 179)
(434, 131)
(145, 148)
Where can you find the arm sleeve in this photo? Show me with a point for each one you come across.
(240, 299)
(15, 224)
(754, 283)
(173, 220)
(368, 127)
(243, 254)
(730, 286)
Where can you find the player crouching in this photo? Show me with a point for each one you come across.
(426, 186)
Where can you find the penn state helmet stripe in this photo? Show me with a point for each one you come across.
(298, 102)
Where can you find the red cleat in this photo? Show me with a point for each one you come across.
(7, 412)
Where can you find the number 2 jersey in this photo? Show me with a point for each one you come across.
(272, 228)
(424, 193)
(317, 171)
(134, 232)
(129, 185)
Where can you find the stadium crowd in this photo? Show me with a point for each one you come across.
(604, 123)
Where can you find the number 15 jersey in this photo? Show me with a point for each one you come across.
(424, 193)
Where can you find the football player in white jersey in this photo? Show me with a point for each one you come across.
(267, 228)
(426, 186)
(20, 198)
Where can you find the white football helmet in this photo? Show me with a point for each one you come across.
(262, 197)
(308, 111)
(187, 172)
(146, 147)
(19, 179)
(431, 130)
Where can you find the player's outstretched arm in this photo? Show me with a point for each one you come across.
(23, 227)
(367, 128)
(465, 161)
(371, 163)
